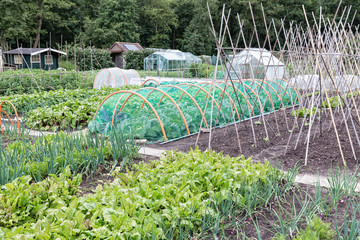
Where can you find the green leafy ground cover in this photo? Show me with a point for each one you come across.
(61, 109)
(138, 117)
(51, 154)
(176, 197)
(182, 196)
(26, 81)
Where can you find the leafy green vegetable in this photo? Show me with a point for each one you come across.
(175, 192)
(302, 112)
(136, 115)
(316, 230)
(26, 81)
(335, 102)
(62, 109)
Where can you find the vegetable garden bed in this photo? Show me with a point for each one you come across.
(59, 110)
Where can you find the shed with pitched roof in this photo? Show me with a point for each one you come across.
(118, 49)
(34, 58)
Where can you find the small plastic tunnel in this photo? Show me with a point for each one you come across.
(116, 77)
(172, 111)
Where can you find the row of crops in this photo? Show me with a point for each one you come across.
(172, 111)
(60, 109)
(51, 154)
(178, 197)
(25, 81)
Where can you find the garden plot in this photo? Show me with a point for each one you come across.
(56, 110)
(323, 154)
(172, 111)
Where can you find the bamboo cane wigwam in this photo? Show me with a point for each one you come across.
(321, 62)
(309, 68)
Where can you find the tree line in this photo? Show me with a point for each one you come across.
(177, 24)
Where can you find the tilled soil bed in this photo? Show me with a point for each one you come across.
(324, 153)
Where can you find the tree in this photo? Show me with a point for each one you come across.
(14, 21)
(197, 37)
(157, 20)
(115, 20)
(49, 10)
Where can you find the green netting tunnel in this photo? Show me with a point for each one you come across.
(169, 111)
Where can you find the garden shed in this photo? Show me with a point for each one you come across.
(118, 49)
(170, 60)
(256, 63)
(116, 77)
(34, 58)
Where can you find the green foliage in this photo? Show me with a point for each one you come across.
(62, 109)
(176, 24)
(89, 58)
(113, 21)
(143, 123)
(26, 81)
(135, 59)
(23, 202)
(72, 114)
(157, 18)
(158, 200)
(335, 102)
(205, 70)
(316, 229)
(51, 154)
(27, 102)
(197, 38)
(302, 112)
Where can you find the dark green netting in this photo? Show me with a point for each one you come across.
(137, 117)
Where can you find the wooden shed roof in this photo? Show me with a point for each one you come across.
(120, 47)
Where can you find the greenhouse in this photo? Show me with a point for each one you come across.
(116, 77)
(171, 111)
(170, 60)
(256, 63)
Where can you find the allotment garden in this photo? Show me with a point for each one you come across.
(265, 148)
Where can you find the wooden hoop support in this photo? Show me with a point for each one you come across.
(137, 74)
(150, 79)
(150, 105)
(188, 94)
(202, 89)
(267, 93)
(171, 99)
(232, 102)
(127, 83)
(17, 117)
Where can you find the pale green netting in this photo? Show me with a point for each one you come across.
(142, 122)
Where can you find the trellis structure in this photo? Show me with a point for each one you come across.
(321, 61)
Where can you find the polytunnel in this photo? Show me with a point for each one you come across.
(255, 63)
(172, 111)
(116, 77)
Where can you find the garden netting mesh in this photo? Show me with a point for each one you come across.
(172, 110)
(116, 77)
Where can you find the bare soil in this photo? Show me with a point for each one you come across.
(324, 153)
(289, 207)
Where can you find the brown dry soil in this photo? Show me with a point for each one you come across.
(289, 207)
(324, 153)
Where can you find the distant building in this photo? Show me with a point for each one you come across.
(255, 63)
(34, 58)
(118, 49)
(170, 60)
